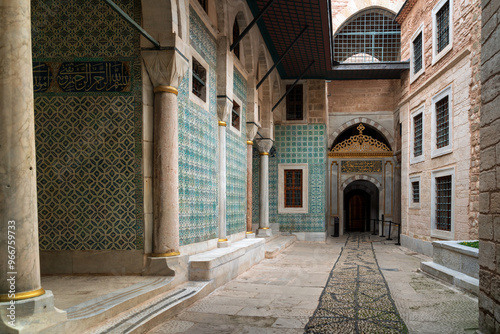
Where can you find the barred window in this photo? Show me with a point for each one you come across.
(294, 103)
(417, 53)
(417, 140)
(199, 80)
(443, 26)
(442, 123)
(235, 116)
(370, 36)
(236, 35)
(443, 203)
(416, 191)
(293, 188)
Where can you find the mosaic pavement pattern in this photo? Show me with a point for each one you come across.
(356, 298)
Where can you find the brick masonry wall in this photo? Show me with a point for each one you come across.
(489, 196)
(361, 96)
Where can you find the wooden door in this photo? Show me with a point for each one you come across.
(357, 212)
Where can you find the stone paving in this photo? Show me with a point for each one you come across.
(280, 295)
(356, 298)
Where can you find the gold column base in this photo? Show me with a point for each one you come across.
(22, 295)
(165, 254)
(249, 232)
(222, 240)
(265, 228)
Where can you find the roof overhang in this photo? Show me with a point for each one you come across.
(368, 71)
(283, 22)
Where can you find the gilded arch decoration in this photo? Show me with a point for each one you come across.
(360, 146)
(333, 136)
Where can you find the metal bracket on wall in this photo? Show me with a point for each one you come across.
(133, 23)
(247, 29)
(282, 56)
(293, 85)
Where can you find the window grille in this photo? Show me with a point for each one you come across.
(417, 140)
(442, 123)
(371, 36)
(235, 116)
(199, 79)
(417, 53)
(443, 203)
(204, 4)
(293, 188)
(236, 35)
(294, 103)
(416, 191)
(443, 26)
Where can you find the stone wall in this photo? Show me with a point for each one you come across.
(489, 197)
(361, 95)
(457, 69)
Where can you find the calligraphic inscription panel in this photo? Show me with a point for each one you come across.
(362, 166)
(81, 77)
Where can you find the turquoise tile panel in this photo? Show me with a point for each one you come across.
(198, 147)
(305, 144)
(236, 165)
(88, 141)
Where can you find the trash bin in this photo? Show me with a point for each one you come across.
(336, 226)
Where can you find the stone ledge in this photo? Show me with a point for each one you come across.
(311, 236)
(458, 279)
(224, 264)
(278, 245)
(457, 257)
(456, 247)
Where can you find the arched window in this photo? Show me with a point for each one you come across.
(369, 36)
(236, 35)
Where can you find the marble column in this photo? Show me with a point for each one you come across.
(224, 106)
(166, 173)
(264, 146)
(165, 69)
(251, 132)
(25, 307)
(18, 197)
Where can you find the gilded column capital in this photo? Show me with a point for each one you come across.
(264, 145)
(252, 129)
(165, 68)
(224, 107)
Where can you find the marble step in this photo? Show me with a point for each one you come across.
(453, 277)
(224, 264)
(147, 315)
(278, 245)
(97, 310)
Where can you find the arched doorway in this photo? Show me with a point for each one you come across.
(361, 205)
